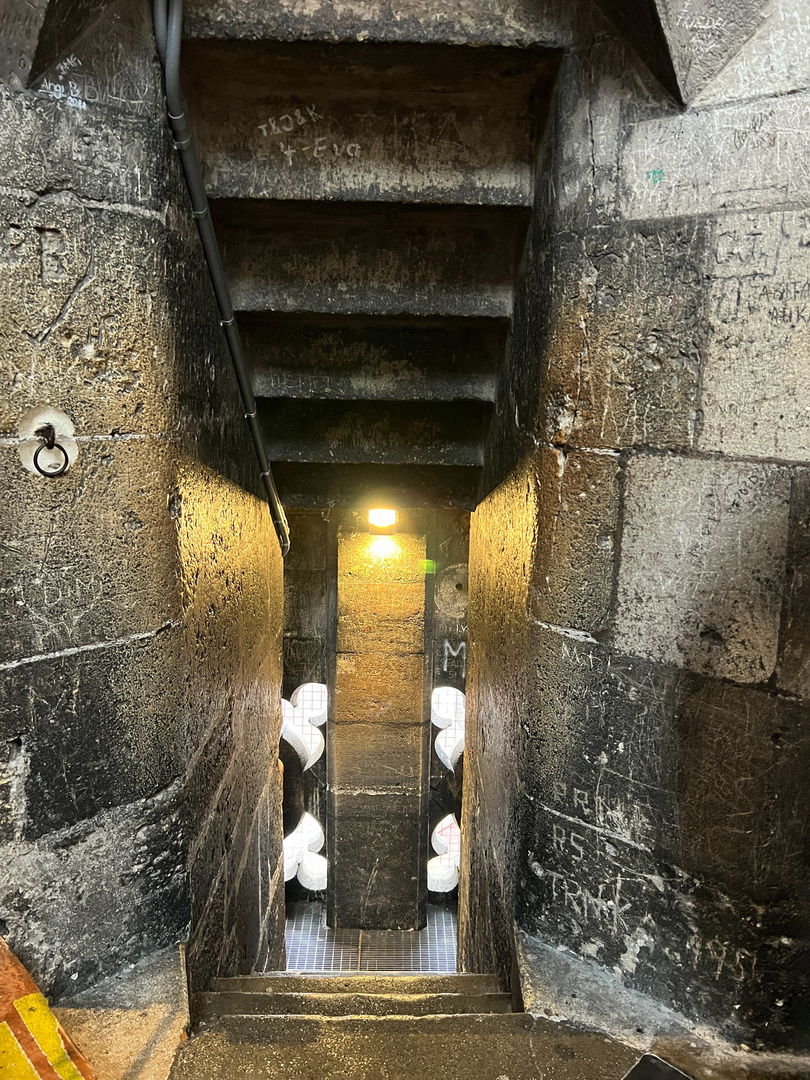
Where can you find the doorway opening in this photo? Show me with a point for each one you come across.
(372, 741)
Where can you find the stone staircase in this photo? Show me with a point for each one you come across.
(371, 201)
(370, 1027)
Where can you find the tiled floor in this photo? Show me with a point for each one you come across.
(312, 947)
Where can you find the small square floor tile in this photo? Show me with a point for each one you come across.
(312, 947)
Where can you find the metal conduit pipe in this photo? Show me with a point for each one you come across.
(168, 21)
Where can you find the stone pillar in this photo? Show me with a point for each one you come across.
(377, 748)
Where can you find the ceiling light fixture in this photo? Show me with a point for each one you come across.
(382, 520)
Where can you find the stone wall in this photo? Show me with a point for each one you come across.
(141, 591)
(636, 787)
(378, 739)
(310, 572)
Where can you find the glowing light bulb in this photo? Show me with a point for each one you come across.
(382, 518)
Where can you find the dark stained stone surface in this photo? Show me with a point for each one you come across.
(413, 260)
(636, 696)
(386, 359)
(350, 122)
(389, 433)
(139, 794)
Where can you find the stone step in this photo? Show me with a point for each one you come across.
(361, 983)
(348, 486)
(354, 121)
(372, 358)
(393, 433)
(362, 259)
(464, 1047)
(239, 1003)
(522, 25)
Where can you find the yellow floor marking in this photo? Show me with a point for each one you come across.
(41, 1022)
(14, 1065)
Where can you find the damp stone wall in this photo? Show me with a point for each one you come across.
(636, 794)
(141, 591)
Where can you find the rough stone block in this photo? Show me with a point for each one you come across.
(84, 313)
(208, 938)
(643, 848)
(381, 618)
(243, 911)
(297, 356)
(379, 689)
(312, 534)
(772, 62)
(378, 755)
(272, 953)
(471, 22)
(600, 745)
(111, 318)
(304, 662)
(623, 335)
(13, 766)
(422, 260)
(581, 139)
(111, 64)
(502, 535)
(362, 558)
(97, 729)
(703, 35)
(741, 157)
(108, 891)
(755, 396)
(20, 32)
(378, 847)
(230, 579)
(214, 839)
(367, 136)
(572, 578)
(331, 431)
(207, 770)
(742, 796)
(269, 809)
(89, 557)
(703, 564)
(87, 154)
(450, 585)
(306, 595)
(377, 739)
(343, 486)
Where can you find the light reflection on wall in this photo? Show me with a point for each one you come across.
(383, 547)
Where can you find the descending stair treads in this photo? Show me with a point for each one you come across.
(371, 201)
(384, 1026)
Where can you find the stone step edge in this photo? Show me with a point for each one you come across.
(461, 977)
(376, 995)
(297, 984)
(386, 197)
(209, 1022)
(507, 1021)
(271, 1003)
